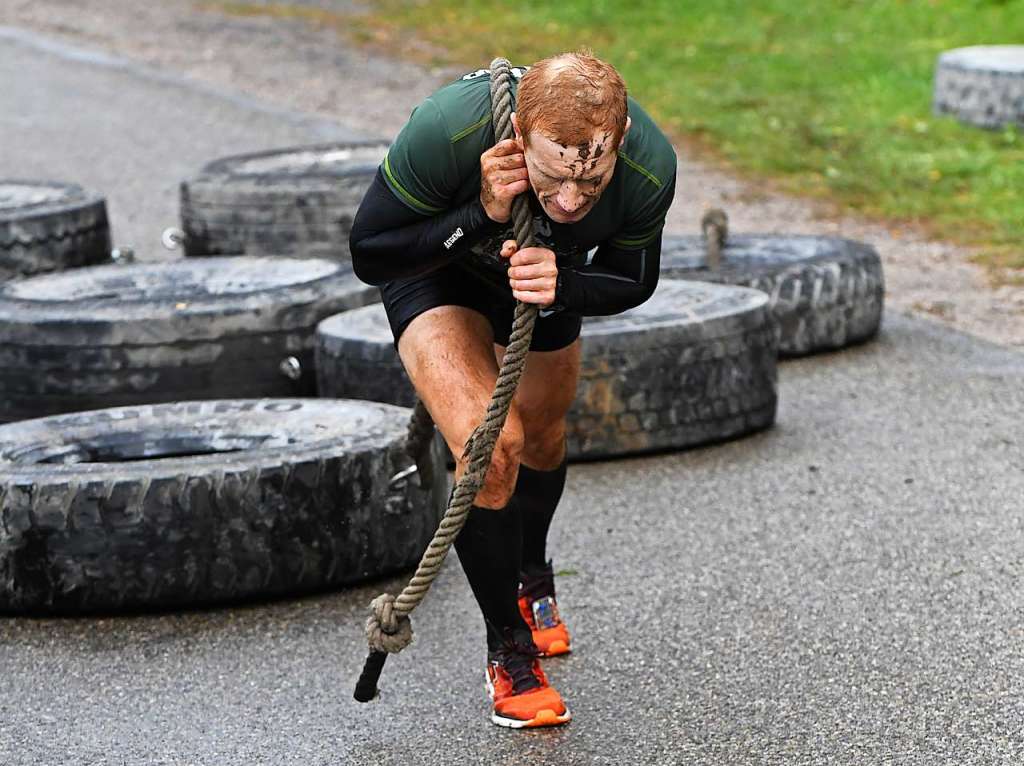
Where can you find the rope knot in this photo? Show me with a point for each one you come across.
(386, 630)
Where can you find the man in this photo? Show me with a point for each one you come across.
(600, 177)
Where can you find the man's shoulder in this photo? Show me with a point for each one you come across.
(647, 156)
(463, 108)
(435, 158)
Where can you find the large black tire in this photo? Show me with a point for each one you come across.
(47, 226)
(198, 502)
(296, 201)
(693, 365)
(981, 85)
(197, 328)
(824, 292)
(356, 358)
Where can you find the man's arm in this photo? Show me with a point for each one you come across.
(409, 222)
(624, 271)
(395, 234)
(389, 240)
(614, 281)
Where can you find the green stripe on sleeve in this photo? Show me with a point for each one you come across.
(475, 126)
(420, 206)
(640, 169)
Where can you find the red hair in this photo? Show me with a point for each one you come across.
(571, 96)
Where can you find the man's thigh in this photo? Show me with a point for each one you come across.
(545, 394)
(448, 355)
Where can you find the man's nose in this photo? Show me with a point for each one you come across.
(569, 197)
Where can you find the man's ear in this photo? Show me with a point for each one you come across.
(625, 130)
(515, 127)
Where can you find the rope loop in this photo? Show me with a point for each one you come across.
(386, 629)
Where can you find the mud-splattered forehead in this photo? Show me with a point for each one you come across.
(580, 160)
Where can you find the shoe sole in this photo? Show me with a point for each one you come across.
(556, 648)
(544, 717)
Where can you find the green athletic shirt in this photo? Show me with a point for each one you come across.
(434, 165)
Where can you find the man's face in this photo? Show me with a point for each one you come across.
(568, 180)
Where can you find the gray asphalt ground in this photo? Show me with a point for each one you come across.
(127, 132)
(841, 589)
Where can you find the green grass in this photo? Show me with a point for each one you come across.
(829, 99)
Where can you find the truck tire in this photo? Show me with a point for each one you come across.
(47, 226)
(295, 201)
(197, 328)
(694, 364)
(201, 502)
(981, 85)
(824, 292)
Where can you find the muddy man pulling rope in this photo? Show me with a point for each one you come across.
(450, 194)
(389, 630)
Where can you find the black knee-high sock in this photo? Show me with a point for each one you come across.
(490, 550)
(537, 493)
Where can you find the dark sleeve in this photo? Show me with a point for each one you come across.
(624, 271)
(390, 240)
(614, 281)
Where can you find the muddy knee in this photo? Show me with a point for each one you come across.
(500, 480)
(544, 445)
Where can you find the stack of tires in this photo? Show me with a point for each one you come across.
(149, 457)
(162, 445)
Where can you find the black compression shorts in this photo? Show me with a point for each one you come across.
(453, 285)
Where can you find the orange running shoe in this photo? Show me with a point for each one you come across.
(539, 610)
(522, 697)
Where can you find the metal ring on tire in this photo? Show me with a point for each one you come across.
(172, 238)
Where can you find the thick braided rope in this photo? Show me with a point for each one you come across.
(388, 629)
